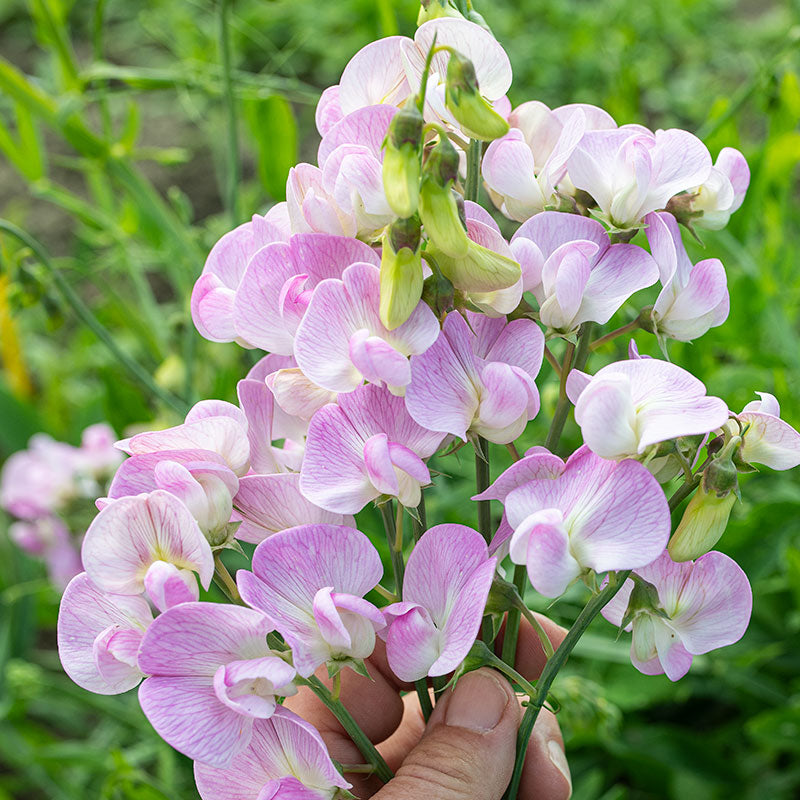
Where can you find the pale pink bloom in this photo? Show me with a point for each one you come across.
(328, 111)
(695, 297)
(311, 208)
(527, 168)
(285, 759)
(215, 289)
(99, 636)
(446, 583)
(478, 378)
(574, 272)
(341, 341)
(285, 423)
(130, 540)
(350, 156)
(630, 405)
(211, 675)
(97, 456)
(707, 604)
(768, 440)
(297, 395)
(588, 514)
(280, 280)
(269, 504)
(631, 171)
(365, 446)
(311, 581)
(200, 478)
(49, 539)
(724, 190)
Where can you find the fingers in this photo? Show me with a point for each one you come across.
(467, 750)
(530, 657)
(545, 775)
(405, 738)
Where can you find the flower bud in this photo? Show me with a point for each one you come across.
(474, 114)
(401, 161)
(401, 271)
(436, 9)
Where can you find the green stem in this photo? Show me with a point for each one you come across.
(365, 746)
(225, 580)
(83, 313)
(683, 491)
(511, 634)
(391, 537)
(419, 523)
(233, 167)
(551, 669)
(631, 326)
(473, 171)
(424, 698)
(482, 481)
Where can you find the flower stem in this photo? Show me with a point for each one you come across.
(398, 566)
(512, 449)
(482, 481)
(631, 326)
(683, 491)
(424, 698)
(511, 634)
(473, 171)
(551, 669)
(552, 360)
(365, 746)
(419, 523)
(225, 580)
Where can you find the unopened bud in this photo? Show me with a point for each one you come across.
(439, 211)
(703, 523)
(463, 99)
(436, 9)
(401, 272)
(479, 269)
(401, 161)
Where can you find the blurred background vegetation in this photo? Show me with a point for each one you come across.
(116, 154)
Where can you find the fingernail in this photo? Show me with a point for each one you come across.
(559, 760)
(477, 703)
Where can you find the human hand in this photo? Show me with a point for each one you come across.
(467, 749)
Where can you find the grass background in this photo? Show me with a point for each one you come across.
(116, 153)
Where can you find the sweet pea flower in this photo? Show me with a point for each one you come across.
(341, 341)
(285, 758)
(723, 192)
(695, 297)
(630, 405)
(365, 446)
(200, 478)
(587, 513)
(311, 207)
(49, 539)
(97, 457)
(574, 272)
(211, 675)
(702, 605)
(767, 439)
(215, 289)
(150, 542)
(311, 581)
(446, 584)
(631, 171)
(280, 280)
(478, 378)
(269, 504)
(99, 636)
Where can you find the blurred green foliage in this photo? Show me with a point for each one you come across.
(116, 153)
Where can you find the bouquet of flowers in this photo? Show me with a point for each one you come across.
(401, 324)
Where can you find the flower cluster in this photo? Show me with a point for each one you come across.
(400, 323)
(49, 488)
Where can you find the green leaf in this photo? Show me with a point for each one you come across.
(272, 124)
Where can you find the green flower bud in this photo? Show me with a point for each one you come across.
(478, 270)
(474, 114)
(702, 524)
(435, 9)
(401, 161)
(401, 271)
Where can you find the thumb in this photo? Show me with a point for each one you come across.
(467, 750)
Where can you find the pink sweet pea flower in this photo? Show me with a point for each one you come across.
(695, 297)
(99, 636)
(724, 190)
(49, 539)
(574, 272)
(269, 504)
(311, 580)
(631, 171)
(200, 478)
(365, 446)
(630, 405)
(280, 279)
(341, 341)
(150, 542)
(707, 605)
(328, 111)
(285, 759)
(588, 514)
(311, 208)
(447, 581)
(97, 457)
(211, 676)
(768, 440)
(215, 289)
(478, 377)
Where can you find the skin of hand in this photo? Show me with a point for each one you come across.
(467, 749)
